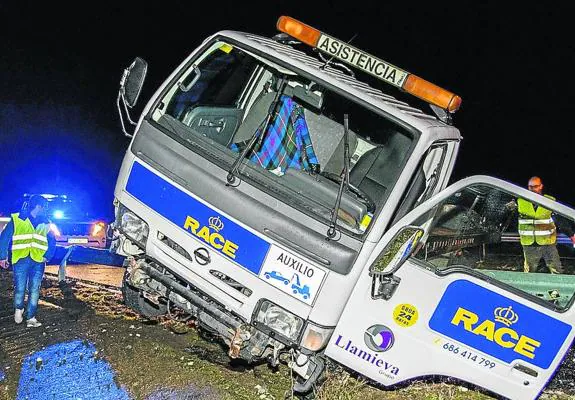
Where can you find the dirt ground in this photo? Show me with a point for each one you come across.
(152, 358)
(166, 359)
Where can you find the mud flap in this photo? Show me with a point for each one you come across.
(317, 365)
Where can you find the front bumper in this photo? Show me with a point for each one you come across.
(245, 340)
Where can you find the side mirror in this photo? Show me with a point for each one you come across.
(133, 80)
(130, 88)
(397, 251)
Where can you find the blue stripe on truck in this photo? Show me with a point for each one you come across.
(197, 219)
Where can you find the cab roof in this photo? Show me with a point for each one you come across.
(350, 84)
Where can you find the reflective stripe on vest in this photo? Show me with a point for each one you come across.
(535, 225)
(28, 241)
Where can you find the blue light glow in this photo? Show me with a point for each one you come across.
(58, 214)
(70, 370)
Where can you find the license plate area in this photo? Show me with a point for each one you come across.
(77, 240)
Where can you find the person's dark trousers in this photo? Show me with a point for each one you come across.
(27, 274)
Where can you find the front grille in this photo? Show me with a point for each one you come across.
(174, 246)
(231, 282)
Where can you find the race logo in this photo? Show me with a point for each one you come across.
(497, 325)
(204, 224)
(505, 337)
(216, 223)
(378, 338)
(210, 234)
(505, 316)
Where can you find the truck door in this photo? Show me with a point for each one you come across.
(445, 293)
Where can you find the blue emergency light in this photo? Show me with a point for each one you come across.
(58, 214)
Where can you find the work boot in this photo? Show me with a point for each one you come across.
(33, 323)
(18, 316)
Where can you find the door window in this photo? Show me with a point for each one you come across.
(487, 232)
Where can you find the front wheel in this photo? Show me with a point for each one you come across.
(134, 299)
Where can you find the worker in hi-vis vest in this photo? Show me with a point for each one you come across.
(538, 231)
(33, 244)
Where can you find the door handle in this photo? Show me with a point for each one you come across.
(525, 369)
(383, 287)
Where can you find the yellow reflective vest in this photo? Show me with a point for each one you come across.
(27, 240)
(535, 224)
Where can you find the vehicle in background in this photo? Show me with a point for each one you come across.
(71, 224)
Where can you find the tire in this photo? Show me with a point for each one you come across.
(133, 298)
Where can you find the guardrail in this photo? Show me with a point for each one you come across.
(88, 255)
(509, 237)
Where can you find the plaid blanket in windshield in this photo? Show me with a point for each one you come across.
(286, 143)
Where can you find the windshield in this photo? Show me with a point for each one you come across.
(286, 133)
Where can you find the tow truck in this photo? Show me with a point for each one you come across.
(298, 288)
(273, 155)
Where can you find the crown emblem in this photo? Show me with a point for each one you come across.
(505, 315)
(216, 223)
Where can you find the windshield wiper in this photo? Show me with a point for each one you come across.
(259, 133)
(344, 181)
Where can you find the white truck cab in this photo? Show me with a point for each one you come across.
(298, 213)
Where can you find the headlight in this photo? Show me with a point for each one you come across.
(98, 229)
(279, 320)
(132, 225)
(315, 337)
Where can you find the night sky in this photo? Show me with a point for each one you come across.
(60, 68)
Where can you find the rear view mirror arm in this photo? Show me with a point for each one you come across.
(384, 286)
(121, 114)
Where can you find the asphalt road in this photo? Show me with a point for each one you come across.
(94, 273)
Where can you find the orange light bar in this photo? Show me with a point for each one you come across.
(432, 93)
(381, 69)
(298, 30)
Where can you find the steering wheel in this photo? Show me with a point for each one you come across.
(354, 189)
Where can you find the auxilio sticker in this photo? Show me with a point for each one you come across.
(291, 274)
